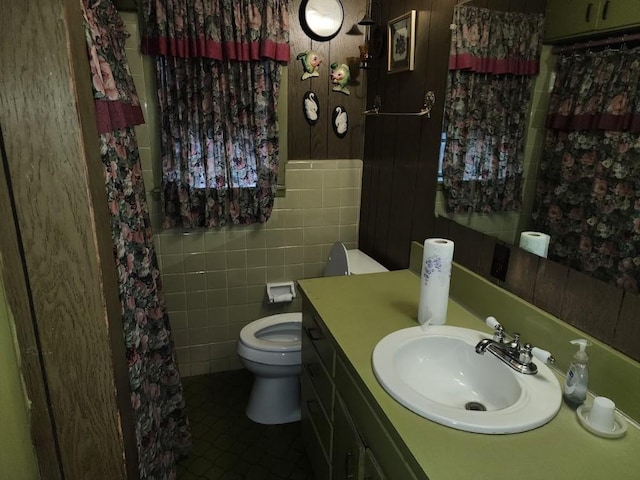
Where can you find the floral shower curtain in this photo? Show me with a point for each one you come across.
(492, 60)
(161, 424)
(218, 70)
(588, 191)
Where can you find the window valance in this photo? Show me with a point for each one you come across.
(597, 91)
(218, 29)
(489, 41)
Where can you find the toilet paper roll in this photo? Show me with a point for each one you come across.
(285, 297)
(280, 292)
(535, 242)
(434, 284)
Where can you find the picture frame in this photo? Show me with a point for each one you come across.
(401, 32)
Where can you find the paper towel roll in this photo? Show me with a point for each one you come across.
(434, 284)
(535, 242)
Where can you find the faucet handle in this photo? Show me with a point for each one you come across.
(498, 330)
(542, 355)
(525, 353)
(492, 322)
(498, 334)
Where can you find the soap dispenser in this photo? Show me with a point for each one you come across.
(575, 384)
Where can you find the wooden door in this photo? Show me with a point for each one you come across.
(56, 240)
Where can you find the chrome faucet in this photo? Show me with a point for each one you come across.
(512, 352)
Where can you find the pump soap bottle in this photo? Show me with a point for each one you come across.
(575, 384)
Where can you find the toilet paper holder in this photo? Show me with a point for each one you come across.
(280, 292)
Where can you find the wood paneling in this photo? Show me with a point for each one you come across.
(299, 135)
(588, 304)
(627, 334)
(520, 275)
(405, 180)
(468, 246)
(319, 141)
(401, 153)
(54, 168)
(486, 257)
(551, 282)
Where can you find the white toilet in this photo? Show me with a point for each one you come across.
(270, 348)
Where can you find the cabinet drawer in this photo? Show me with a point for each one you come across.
(374, 435)
(317, 334)
(317, 374)
(315, 451)
(313, 411)
(372, 470)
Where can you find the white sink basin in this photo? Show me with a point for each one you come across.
(438, 374)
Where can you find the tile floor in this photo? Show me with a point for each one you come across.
(227, 445)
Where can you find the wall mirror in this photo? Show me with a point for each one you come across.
(585, 301)
(321, 20)
(508, 226)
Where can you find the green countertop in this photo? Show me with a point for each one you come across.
(359, 310)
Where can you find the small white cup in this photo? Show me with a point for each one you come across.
(602, 414)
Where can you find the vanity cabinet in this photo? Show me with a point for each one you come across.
(344, 436)
(566, 19)
(348, 450)
(317, 392)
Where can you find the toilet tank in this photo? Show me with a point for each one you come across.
(360, 263)
(350, 262)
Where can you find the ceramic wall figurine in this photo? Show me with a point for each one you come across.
(340, 77)
(310, 107)
(340, 121)
(311, 61)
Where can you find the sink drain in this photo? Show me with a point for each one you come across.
(476, 406)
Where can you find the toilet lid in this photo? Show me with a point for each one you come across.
(249, 334)
(338, 261)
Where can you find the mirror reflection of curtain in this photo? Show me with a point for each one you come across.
(588, 193)
(218, 68)
(161, 425)
(494, 56)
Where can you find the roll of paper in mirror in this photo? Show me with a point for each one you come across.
(535, 242)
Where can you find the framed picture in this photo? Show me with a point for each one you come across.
(402, 40)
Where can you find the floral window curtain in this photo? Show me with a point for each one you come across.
(588, 191)
(161, 425)
(218, 70)
(492, 60)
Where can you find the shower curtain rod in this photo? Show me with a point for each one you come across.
(596, 43)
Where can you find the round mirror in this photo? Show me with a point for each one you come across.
(321, 19)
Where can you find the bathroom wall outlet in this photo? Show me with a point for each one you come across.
(500, 262)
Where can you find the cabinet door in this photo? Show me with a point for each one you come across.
(372, 470)
(348, 450)
(618, 14)
(567, 18)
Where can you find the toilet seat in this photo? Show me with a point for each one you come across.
(284, 329)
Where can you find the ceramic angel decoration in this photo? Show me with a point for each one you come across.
(340, 77)
(311, 61)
